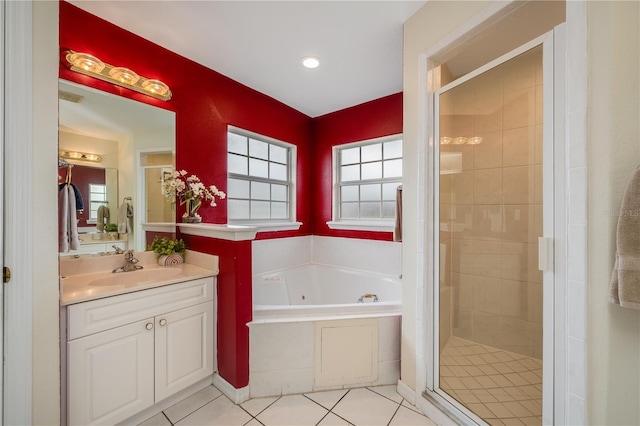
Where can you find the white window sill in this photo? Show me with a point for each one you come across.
(159, 226)
(362, 225)
(272, 226)
(235, 232)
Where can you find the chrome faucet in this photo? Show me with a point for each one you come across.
(130, 263)
(117, 249)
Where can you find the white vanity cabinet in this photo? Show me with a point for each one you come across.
(127, 352)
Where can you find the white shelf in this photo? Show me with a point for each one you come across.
(222, 232)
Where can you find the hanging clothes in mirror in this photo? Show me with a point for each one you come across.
(69, 204)
(125, 216)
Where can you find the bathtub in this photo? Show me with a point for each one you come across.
(310, 292)
(310, 333)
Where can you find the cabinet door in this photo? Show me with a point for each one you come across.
(110, 374)
(184, 348)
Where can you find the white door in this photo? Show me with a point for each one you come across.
(494, 175)
(184, 342)
(110, 374)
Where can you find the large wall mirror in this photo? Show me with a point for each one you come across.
(115, 152)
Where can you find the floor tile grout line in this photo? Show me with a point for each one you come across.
(183, 417)
(384, 396)
(261, 411)
(394, 414)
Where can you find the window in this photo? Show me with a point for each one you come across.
(367, 175)
(97, 197)
(260, 178)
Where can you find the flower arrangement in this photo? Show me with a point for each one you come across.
(191, 192)
(164, 246)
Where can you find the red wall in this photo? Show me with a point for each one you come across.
(203, 111)
(374, 119)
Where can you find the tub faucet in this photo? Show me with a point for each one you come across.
(130, 263)
(117, 249)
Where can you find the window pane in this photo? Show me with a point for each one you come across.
(388, 210)
(349, 193)
(393, 168)
(370, 192)
(348, 173)
(279, 192)
(372, 152)
(279, 211)
(372, 170)
(278, 171)
(260, 191)
(350, 156)
(238, 209)
(260, 210)
(237, 164)
(237, 143)
(393, 149)
(349, 210)
(237, 188)
(258, 168)
(258, 149)
(370, 210)
(389, 191)
(278, 154)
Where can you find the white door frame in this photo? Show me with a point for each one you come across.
(554, 327)
(2, 84)
(18, 169)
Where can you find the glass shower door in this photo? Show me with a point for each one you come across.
(490, 218)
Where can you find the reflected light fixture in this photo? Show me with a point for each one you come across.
(84, 156)
(87, 64)
(310, 62)
(461, 140)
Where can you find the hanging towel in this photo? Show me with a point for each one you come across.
(67, 220)
(103, 217)
(624, 288)
(397, 229)
(125, 213)
(63, 219)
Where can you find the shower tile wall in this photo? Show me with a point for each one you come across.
(491, 209)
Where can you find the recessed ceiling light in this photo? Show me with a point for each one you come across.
(310, 62)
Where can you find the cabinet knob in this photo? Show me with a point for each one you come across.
(149, 326)
(162, 322)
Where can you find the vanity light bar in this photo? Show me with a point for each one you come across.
(87, 64)
(84, 156)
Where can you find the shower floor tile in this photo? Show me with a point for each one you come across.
(500, 386)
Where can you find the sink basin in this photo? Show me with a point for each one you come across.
(134, 278)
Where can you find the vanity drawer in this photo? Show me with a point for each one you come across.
(103, 314)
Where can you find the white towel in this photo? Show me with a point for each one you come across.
(63, 220)
(74, 240)
(125, 213)
(67, 220)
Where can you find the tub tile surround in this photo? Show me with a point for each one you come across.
(379, 405)
(382, 257)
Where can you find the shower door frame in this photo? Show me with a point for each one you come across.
(553, 229)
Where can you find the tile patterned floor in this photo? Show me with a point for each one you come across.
(379, 405)
(501, 387)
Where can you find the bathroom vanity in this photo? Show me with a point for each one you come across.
(134, 339)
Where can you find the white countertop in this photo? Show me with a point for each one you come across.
(83, 287)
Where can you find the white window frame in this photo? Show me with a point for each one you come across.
(376, 225)
(270, 224)
(93, 214)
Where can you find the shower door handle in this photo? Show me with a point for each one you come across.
(545, 254)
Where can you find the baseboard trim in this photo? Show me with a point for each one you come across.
(238, 396)
(406, 392)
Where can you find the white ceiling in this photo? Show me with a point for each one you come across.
(260, 44)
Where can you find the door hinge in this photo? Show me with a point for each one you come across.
(6, 274)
